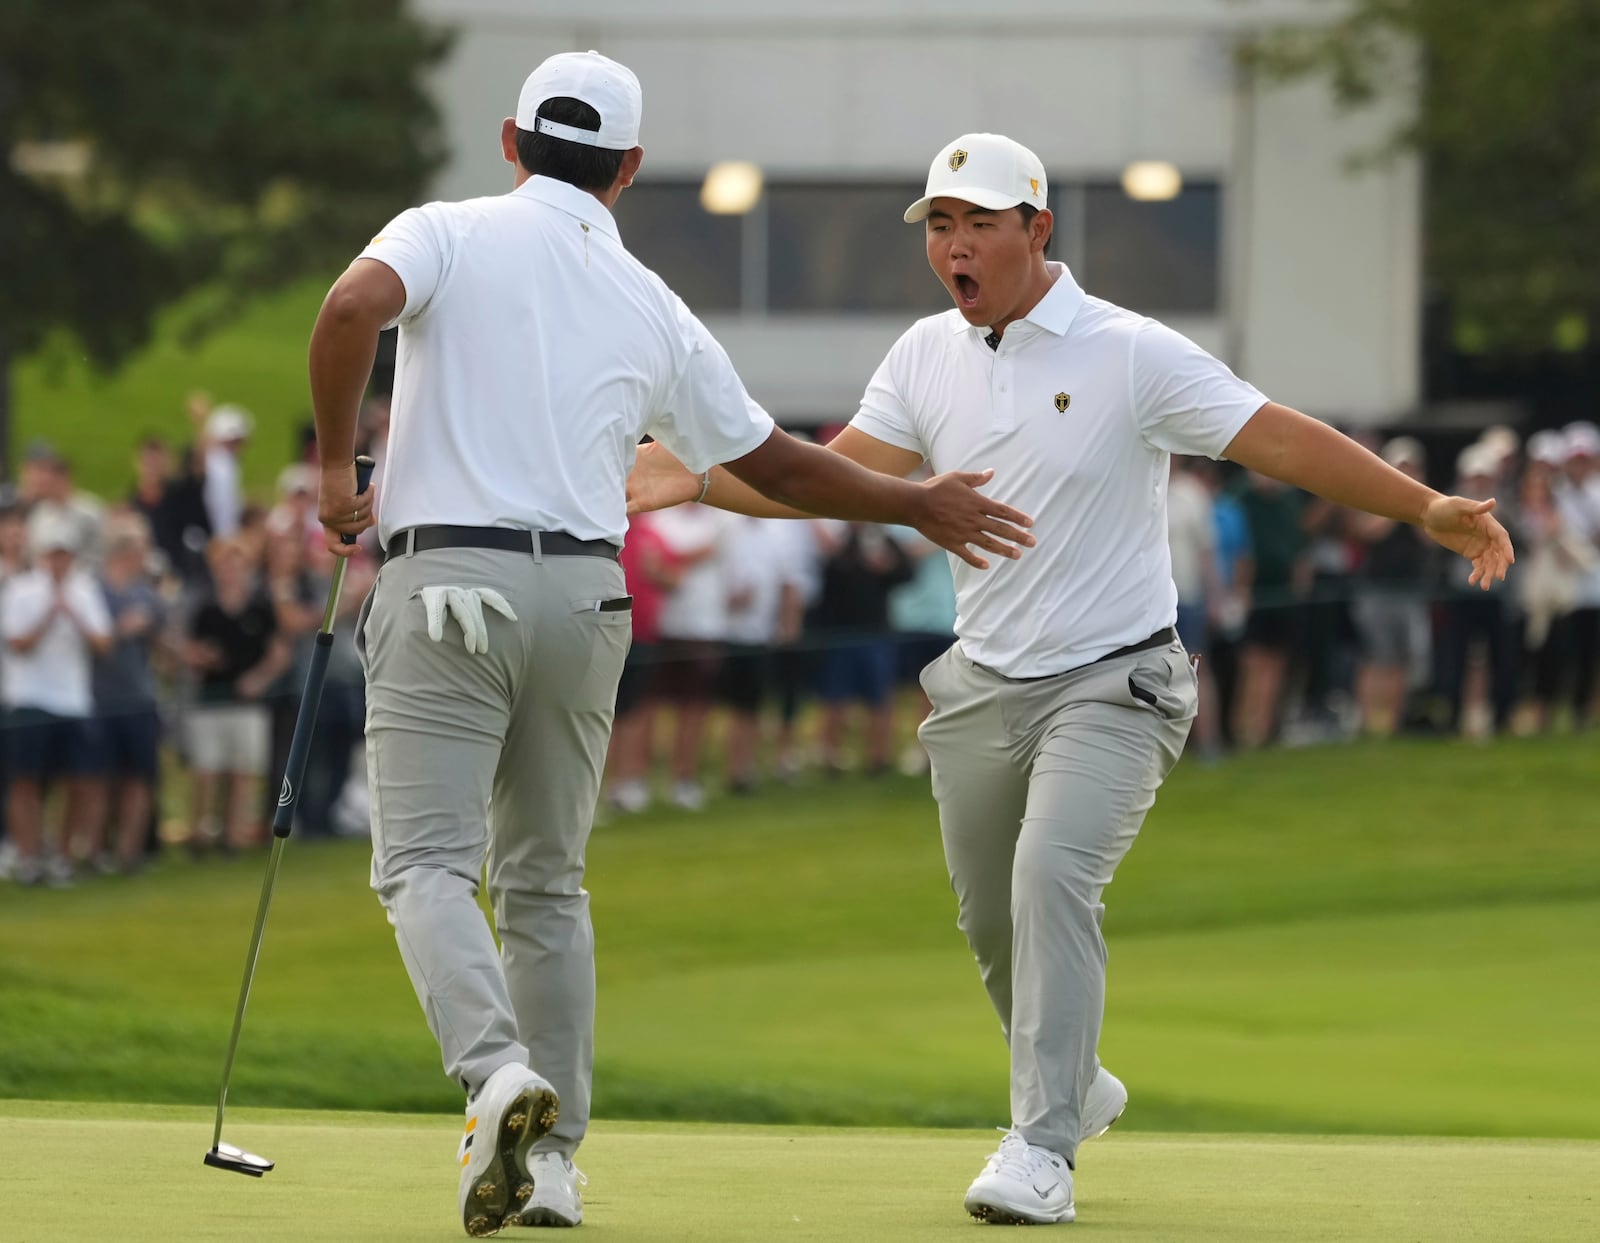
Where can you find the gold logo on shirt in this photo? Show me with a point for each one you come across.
(958, 157)
(1063, 400)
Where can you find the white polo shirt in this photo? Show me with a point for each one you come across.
(534, 353)
(1077, 412)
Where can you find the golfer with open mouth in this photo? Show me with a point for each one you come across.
(1067, 696)
(534, 353)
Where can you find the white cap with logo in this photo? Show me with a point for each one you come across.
(987, 170)
(607, 87)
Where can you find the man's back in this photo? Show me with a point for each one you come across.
(535, 351)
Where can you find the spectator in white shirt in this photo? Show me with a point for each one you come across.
(55, 622)
(227, 431)
(694, 622)
(765, 601)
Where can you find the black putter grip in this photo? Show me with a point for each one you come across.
(305, 721)
(364, 468)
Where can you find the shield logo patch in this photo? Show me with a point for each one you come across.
(958, 157)
(1063, 400)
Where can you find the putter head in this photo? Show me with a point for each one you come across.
(227, 1157)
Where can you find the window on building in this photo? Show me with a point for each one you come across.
(845, 248)
(1153, 257)
(696, 253)
(842, 248)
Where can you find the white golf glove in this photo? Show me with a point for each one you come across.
(465, 604)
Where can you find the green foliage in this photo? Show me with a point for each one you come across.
(1508, 124)
(232, 147)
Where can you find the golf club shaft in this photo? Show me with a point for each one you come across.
(249, 977)
(283, 818)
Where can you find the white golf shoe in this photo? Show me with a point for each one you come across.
(1026, 1184)
(513, 1109)
(1022, 1184)
(1103, 1104)
(555, 1199)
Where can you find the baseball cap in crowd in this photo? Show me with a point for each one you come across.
(297, 477)
(1474, 460)
(229, 423)
(1547, 448)
(986, 170)
(1582, 439)
(1502, 441)
(607, 87)
(52, 533)
(1404, 450)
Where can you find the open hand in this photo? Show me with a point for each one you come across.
(659, 481)
(956, 514)
(1470, 528)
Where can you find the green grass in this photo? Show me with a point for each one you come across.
(1397, 940)
(259, 362)
(389, 1177)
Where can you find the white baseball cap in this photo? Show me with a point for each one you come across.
(607, 87)
(1404, 449)
(1501, 440)
(1475, 459)
(229, 423)
(52, 532)
(1583, 440)
(1547, 447)
(988, 170)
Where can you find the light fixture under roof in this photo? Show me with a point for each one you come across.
(731, 188)
(1151, 181)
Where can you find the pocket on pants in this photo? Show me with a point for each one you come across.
(1165, 683)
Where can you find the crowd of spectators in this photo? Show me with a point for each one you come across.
(154, 644)
(1318, 623)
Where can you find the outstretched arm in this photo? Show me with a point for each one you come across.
(660, 481)
(1302, 451)
(856, 477)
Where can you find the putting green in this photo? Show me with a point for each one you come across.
(389, 1177)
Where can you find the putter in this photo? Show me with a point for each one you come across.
(227, 1156)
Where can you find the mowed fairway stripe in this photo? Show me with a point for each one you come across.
(390, 1177)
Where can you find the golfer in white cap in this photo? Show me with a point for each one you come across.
(534, 353)
(1067, 696)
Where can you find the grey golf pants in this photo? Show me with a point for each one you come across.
(1042, 787)
(495, 756)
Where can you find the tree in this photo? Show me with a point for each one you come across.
(229, 149)
(1507, 121)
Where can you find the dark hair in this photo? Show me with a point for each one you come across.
(1029, 211)
(543, 155)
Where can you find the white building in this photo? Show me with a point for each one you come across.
(1299, 272)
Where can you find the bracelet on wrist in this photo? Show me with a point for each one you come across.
(705, 486)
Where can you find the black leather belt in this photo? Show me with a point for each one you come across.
(1160, 638)
(506, 539)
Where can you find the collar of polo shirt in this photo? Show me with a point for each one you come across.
(575, 202)
(1054, 312)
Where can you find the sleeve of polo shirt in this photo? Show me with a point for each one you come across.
(1185, 400)
(885, 412)
(416, 245)
(709, 417)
